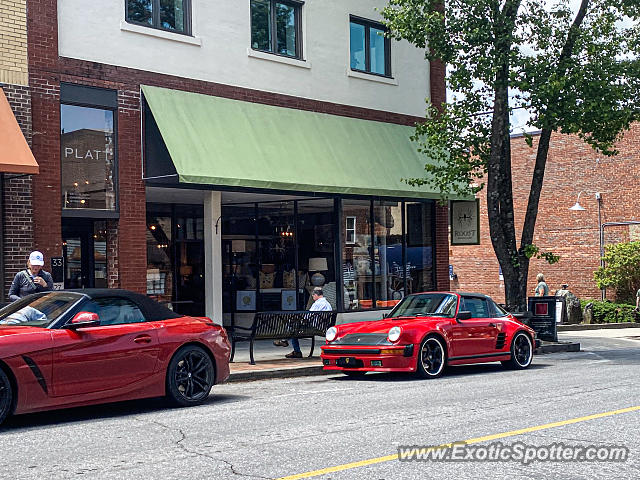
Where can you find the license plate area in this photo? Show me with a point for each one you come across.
(349, 362)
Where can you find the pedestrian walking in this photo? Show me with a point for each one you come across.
(320, 304)
(31, 280)
(542, 289)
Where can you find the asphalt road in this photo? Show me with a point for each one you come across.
(280, 428)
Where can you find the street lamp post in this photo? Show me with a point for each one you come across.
(579, 208)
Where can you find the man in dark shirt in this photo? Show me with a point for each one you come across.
(31, 280)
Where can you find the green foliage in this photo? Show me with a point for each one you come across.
(621, 271)
(567, 70)
(609, 312)
(532, 250)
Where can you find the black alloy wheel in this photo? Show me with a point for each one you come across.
(6, 396)
(521, 352)
(190, 376)
(431, 358)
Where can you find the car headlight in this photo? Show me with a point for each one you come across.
(394, 334)
(331, 334)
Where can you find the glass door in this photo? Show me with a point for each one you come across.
(85, 253)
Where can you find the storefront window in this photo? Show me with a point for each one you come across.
(419, 238)
(88, 158)
(159, 264)
(277, 251)
(316, 246)
(357, 268)
(100, 254)
(387, 229)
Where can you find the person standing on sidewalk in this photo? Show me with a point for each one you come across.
(542, 289)
(320, 304)
(31, 280)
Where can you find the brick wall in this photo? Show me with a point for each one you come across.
(17, 211)
(13, 42)
(572, 166)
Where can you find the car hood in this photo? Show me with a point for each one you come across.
(384, 325)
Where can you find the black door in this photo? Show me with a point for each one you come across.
(85, 253)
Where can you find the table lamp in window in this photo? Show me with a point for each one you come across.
(317, 264)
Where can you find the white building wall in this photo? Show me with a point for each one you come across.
(219, 51)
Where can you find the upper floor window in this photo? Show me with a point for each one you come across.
(275, 27)
(170, 15)
(370, 50)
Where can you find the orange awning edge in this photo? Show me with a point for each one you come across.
(15, 154)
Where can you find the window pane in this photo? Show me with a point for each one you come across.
(172, 15)
(160, 280)
(286, 29)
(100, 254)
(357, 47)
(356, 257)
(387, 228)
(87, 141)
(376, 41)
(260, 25)
(140, 11)
(419, 233)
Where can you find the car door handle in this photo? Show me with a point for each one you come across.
(142, 339)
(492, 324)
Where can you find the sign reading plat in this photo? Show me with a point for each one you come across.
(465, 222)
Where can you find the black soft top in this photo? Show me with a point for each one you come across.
(151, 309)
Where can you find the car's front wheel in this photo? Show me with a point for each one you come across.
(190, 376)
(521, 352)
(431, 358)
(6, 396)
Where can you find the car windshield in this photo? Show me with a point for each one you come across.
(432, 304)
(39, 310)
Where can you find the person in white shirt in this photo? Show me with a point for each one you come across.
(320, 304)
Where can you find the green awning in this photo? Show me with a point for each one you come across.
(217, 141)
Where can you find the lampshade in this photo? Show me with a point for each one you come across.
(577, 207)
(318, 264)
(238, 246)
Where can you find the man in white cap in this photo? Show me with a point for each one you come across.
(31, 280)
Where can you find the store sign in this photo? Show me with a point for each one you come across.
(465, 222)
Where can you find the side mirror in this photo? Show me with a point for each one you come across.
(463, 315)
(83, 320)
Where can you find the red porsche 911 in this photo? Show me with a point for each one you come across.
(427, 331)
(75, 348)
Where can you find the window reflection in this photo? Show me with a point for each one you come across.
(419, 234)
(387, 228)
(358, 271)
(275, 27)
(88, 157)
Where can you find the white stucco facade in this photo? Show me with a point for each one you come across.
(219, 51)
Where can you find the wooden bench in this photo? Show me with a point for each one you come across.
(281, 325)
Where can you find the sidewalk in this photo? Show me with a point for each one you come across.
(271, 361)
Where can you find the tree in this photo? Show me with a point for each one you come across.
(621, 270)
(576, 73)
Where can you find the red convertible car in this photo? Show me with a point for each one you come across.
(75, 348)
(427, 331)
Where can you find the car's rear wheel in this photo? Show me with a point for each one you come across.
(521, 352)
(6, 396)
(432, 358)
(190, 376)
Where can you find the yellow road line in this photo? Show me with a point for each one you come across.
(486, 438)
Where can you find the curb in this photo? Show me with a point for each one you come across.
(289, 372)
(558, 347)
(596, 326)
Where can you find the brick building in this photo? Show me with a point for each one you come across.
(572, 167)
(16, 162)
(219, 157)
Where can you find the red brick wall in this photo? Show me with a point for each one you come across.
(572, 166)
(17, 211)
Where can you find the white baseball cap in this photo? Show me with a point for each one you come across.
(36, 258)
